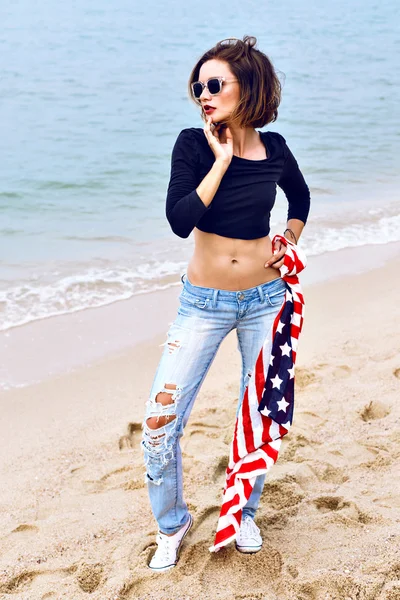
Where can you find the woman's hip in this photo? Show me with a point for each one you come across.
(213, 300)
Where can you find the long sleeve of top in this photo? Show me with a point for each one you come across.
(242, 204)
(292, 182)
(184, 207)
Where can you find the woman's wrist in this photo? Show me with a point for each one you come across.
(292, 237)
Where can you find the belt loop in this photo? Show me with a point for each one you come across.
(261, 293)
(182, 276)
(214, 298)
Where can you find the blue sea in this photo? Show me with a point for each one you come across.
(94, 94)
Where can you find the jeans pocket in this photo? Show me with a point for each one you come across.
(276, 298)
(188, 298)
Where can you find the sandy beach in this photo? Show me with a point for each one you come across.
(74, 511)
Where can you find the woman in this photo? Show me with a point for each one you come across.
(222, 187)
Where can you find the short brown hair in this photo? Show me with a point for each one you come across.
(259, 84)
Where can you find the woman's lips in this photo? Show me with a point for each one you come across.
(208, 110)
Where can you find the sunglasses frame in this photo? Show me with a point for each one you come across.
(205, 85)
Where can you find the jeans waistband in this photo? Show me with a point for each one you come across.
(270, 287)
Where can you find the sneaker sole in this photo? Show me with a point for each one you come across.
(248, 549)
(161, 569)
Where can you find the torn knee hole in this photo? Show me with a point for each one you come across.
(164, 405)
(159, 421)
(167, 395)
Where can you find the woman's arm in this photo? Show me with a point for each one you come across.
(292, 182)
(188, 200)
(293, 230)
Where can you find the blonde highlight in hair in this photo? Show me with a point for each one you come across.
(260, 87)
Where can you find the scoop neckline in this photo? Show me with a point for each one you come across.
(258, 160)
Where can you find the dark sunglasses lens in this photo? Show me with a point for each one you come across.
(214, 86)
(197, 89)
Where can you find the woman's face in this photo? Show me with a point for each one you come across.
(227, 100)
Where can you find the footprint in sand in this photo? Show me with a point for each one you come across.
(195, 442)
(283, 493)
(206, 567)
(220, 469)
(384, 457)
(21, 583)
(90, 576)
(347, 511)
(374, 410)
(128, 477)
(265, 567)
(304, 377)
(309, 419)
(308, 474)
(25, 527)
(329, 503)
(211, 417)
(337, 587)
(341, 371)
(132, 437)
(328, 473)
(291, 447)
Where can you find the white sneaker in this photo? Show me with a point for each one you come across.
(249, 538)
(167, 553)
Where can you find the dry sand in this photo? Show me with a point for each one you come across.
(74, 512)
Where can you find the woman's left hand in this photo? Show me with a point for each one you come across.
(276, 260)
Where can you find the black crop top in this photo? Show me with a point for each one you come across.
(243, 202)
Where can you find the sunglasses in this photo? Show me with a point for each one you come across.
(214, 86)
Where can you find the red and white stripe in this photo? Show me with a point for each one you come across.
(257, 438)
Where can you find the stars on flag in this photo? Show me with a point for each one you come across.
(265, 412)
(285, 349)
(280, 326)
(277, 401)
(283, 404)
(276, 381)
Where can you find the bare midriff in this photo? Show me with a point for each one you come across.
(229, 263)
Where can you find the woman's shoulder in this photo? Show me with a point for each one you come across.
(190, 135)
(193, 138)
(275, 142)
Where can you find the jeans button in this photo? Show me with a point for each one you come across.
(241, 296)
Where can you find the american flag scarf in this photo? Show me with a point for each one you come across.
(266, 413)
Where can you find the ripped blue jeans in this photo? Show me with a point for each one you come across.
(205, 317)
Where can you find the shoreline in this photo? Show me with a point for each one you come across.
(57, 345)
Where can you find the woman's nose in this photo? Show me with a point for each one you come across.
(205, 95)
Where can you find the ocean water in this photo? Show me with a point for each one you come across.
(94, 96)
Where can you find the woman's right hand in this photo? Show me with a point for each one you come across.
(220, 141)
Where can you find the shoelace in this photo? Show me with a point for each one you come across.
(248, 528)
(165, 548)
